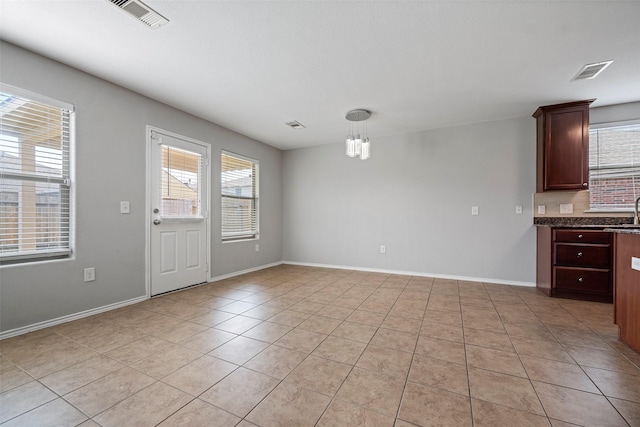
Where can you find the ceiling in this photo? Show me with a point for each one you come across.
(251, 66)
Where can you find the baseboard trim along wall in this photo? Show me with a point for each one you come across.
(68, 318)
(413, 273)
(248, 270)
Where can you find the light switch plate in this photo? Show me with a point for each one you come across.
(566, 208)
(519, 210)
(635, 263)
(383, 249)
(474, 210)
(542, 209)
(124, 207)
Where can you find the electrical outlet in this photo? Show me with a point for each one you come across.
(474, 210)
(124, 207)
(383, 249)
(542, 209)
(89, 274)
(519, 210)
(635, 263)
(566, 208)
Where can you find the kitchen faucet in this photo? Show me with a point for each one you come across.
(636, 218)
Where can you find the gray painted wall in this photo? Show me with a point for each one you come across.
(414, 195)
(110, 149)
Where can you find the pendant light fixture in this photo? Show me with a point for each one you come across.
(358, 143)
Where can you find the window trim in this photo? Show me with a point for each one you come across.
(256, 199)
(38, 97)
(43, 255)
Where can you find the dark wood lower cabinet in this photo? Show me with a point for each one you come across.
(627, 286)
(575, 263)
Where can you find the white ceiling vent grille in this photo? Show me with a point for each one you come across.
(296, 125)
(590, 71)
(141, 12)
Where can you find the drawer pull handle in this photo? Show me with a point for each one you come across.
(579, 254)
(579, 236)
(580, 280)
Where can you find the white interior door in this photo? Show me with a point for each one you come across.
(179, 200)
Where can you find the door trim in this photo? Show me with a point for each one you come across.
(148, 201)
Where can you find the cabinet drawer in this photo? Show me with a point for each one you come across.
(568, 254)
(582, 236)
(585, 280)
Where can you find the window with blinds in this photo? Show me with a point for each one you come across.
(239, 178)
(34, 176)
(181, 174)
(614, 166)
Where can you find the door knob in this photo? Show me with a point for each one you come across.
(156, 211)
(579, 254)
(156, 222)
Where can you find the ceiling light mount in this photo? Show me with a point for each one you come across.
(358, 115)
(358, 143)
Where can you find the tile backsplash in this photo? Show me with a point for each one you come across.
(552, 200)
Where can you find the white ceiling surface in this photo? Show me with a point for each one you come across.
(417, 65)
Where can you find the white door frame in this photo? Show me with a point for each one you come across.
(148, 217)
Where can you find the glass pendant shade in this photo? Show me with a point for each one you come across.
(358, 144)
(365, 150)
(351, 146)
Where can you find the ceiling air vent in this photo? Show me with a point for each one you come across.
(590, 71)
(295, 125)
(141, 12)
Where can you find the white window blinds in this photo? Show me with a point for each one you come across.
(181, 174)
(614, 166)
(34, 178)
(239, 178)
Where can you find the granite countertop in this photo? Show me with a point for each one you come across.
(611, 224)
(582, 221)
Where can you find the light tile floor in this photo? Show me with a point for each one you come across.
(299, 346)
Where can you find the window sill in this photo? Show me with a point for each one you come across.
(242, 239)
(609, 210)
(38, 256)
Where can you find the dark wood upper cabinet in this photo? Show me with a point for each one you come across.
(563, 146)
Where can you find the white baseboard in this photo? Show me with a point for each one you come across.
(414, 273)
(64, 319)
(248, 270)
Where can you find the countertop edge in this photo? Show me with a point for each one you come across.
(624, 231)
(582, 222)
(608, 224)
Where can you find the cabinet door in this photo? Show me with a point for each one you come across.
(567, 149)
